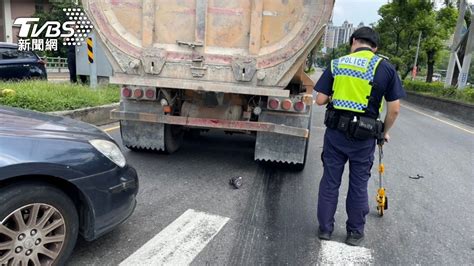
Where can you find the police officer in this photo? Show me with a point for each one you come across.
(353, 89)
(71, 63)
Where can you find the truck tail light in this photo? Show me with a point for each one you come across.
(126, 92)
(286, 105)
(138, 93)
(274, 103)
(150, 93)
(299, 106)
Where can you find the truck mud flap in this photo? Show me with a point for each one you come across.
(272, 147)
(142, 135)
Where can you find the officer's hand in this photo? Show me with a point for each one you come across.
(386, 137)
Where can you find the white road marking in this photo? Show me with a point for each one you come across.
(180, 242)
(335, 253)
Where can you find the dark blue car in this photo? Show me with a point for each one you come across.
(58, 177)
(18, 65)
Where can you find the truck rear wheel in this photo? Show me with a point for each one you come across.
(173, 138)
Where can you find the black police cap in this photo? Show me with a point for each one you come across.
(367, 34)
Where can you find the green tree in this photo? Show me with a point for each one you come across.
(437, 28)
(399, 33)
(401, 23)
(55, 13)
(331, 54)
(442, 60)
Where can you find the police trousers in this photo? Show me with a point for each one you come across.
(337, 150)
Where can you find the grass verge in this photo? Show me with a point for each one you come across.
(47, 97)
(437, 89)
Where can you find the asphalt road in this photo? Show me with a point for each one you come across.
(273, 216)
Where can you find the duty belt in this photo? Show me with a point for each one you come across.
(355, 126)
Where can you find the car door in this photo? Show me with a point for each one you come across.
(12, 65)
(34, 66)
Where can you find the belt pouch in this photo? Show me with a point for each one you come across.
(364, 128)
(331, 118)
(343, 124)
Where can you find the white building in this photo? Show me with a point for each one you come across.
(337, 35)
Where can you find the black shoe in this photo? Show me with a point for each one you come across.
(324, 235)
(354, 239)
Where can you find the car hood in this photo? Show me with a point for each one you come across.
(20, 122)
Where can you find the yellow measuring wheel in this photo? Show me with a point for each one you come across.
(382, 201)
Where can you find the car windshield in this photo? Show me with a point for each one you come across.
(12, 53)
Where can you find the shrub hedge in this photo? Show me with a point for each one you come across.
(437, 89)
(47, 97)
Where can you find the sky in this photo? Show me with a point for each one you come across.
(356, 11)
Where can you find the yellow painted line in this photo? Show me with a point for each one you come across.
(111, 128)
(438, 119)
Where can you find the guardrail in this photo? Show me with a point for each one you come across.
(56, 64)
(458, 111)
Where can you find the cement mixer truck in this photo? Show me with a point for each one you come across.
(190, 65)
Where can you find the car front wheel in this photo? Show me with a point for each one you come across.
(38, 225)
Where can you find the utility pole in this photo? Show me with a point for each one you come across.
(454, 60)
(413, 74)
(7, 16)
(90, 41)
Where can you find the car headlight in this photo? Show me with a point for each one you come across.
(109, 150)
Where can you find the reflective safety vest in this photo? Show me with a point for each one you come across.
(353, 78)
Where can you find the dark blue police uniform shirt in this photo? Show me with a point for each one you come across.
(388, 83)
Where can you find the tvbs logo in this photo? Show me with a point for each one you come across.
(51, 29)
(72, 32)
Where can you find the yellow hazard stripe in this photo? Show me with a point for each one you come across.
(90, 54)
(90, 50)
